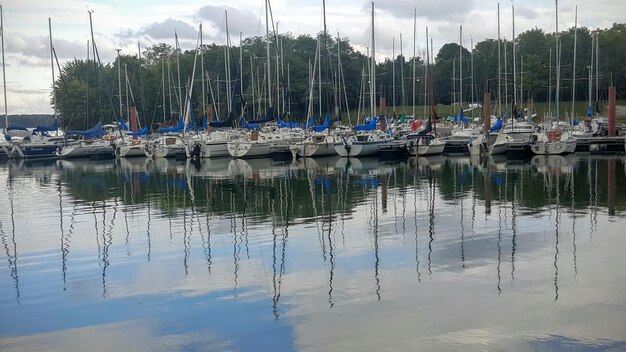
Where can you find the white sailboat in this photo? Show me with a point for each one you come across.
(255, 145)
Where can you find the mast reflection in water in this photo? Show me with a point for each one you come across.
(314, 254)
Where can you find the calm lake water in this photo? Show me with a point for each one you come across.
(434, 254)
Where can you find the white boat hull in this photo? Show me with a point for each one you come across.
(308, 150)
(247, 149)
(432, 149)
(215, 150)
(162, 151)
(126, 151)
(358, 148)
(86, 151)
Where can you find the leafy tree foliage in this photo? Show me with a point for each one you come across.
(87, 91)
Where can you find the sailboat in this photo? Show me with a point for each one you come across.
(6, 149)
(555, 141)
(367, 138)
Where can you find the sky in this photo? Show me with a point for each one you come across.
(123, 24)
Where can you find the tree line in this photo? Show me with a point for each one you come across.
(159, 83)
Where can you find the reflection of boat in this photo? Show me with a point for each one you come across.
(85, 165)
(263, 168)
(216, 168)
(433, 162)
(554, 164)
(319, 165)
(500, 162)
(134, 164)
(369, 166)
(163, 165)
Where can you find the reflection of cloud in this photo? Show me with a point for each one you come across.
(138, 335)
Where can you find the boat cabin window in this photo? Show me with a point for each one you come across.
(362, 138)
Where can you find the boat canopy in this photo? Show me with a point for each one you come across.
(326, 124)
(142, 132)
(94, 132)
(370, 125)
(496, 126)
(228, 122)
(53, 127)
(179, 127)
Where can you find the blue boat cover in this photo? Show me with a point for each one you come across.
(95, 131)
(370, 125)
(496, 126)
(326, 124)
(53, 127)
(142, 132)
(179, 127)
(123, 125)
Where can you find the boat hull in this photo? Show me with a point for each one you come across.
(86, 151)
(358, 148)
(34, 151)
(246, 149)
(215, 150)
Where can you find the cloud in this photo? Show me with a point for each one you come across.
(163, 30)
(432, 10)
(239, 20)
(526, 12)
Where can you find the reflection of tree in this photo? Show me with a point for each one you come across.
(167, 191)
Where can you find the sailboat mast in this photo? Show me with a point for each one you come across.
(590, 83)
(425, 73)
(119, 81)
(267, 49)
(550, 83)
(514, 61)
(558, 61)
(460, 67)
(414, 61)
(325, 49)
(597, 72)
(393, 72)
(373, 70)
(4, 76)
(253, 88)
(229, 100)
(202, 73)
(163, 84)
(180, 92)
(54, 97)
(574, 64)
(472, 67)
(241, 70)
(402, 93)
(499, 68)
